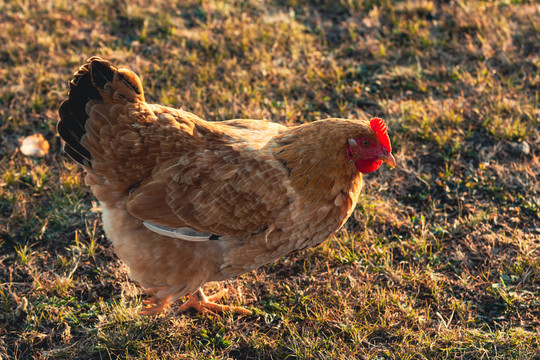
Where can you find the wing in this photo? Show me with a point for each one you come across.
(228, 186)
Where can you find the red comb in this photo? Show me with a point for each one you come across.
(380, 128)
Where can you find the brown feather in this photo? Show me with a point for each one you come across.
(315, 156)
(267, 190)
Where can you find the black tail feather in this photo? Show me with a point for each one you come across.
(71, 131)
(83, 88)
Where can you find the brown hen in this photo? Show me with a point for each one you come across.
(186, 201)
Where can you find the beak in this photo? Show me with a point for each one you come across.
(388, 158)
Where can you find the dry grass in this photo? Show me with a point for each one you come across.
(441, 258)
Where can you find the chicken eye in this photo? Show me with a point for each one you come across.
(365, 143)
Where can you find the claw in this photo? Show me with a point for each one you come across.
(198, 301)
(154, 305)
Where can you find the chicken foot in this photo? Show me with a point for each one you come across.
(203, 304)
(154, 305)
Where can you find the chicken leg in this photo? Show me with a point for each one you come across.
(198, 301)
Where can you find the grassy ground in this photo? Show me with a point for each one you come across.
(441, 257)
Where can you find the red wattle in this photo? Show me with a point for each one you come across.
(367, 166)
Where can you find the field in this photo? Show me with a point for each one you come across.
(441, 259)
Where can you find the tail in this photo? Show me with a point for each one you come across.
(97, 81)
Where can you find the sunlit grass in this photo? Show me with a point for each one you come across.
(440, 258)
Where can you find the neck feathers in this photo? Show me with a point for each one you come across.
(315, 155)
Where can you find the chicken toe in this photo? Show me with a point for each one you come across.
(154, 305)
(198, 301)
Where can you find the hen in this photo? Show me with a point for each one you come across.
(186, 201)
